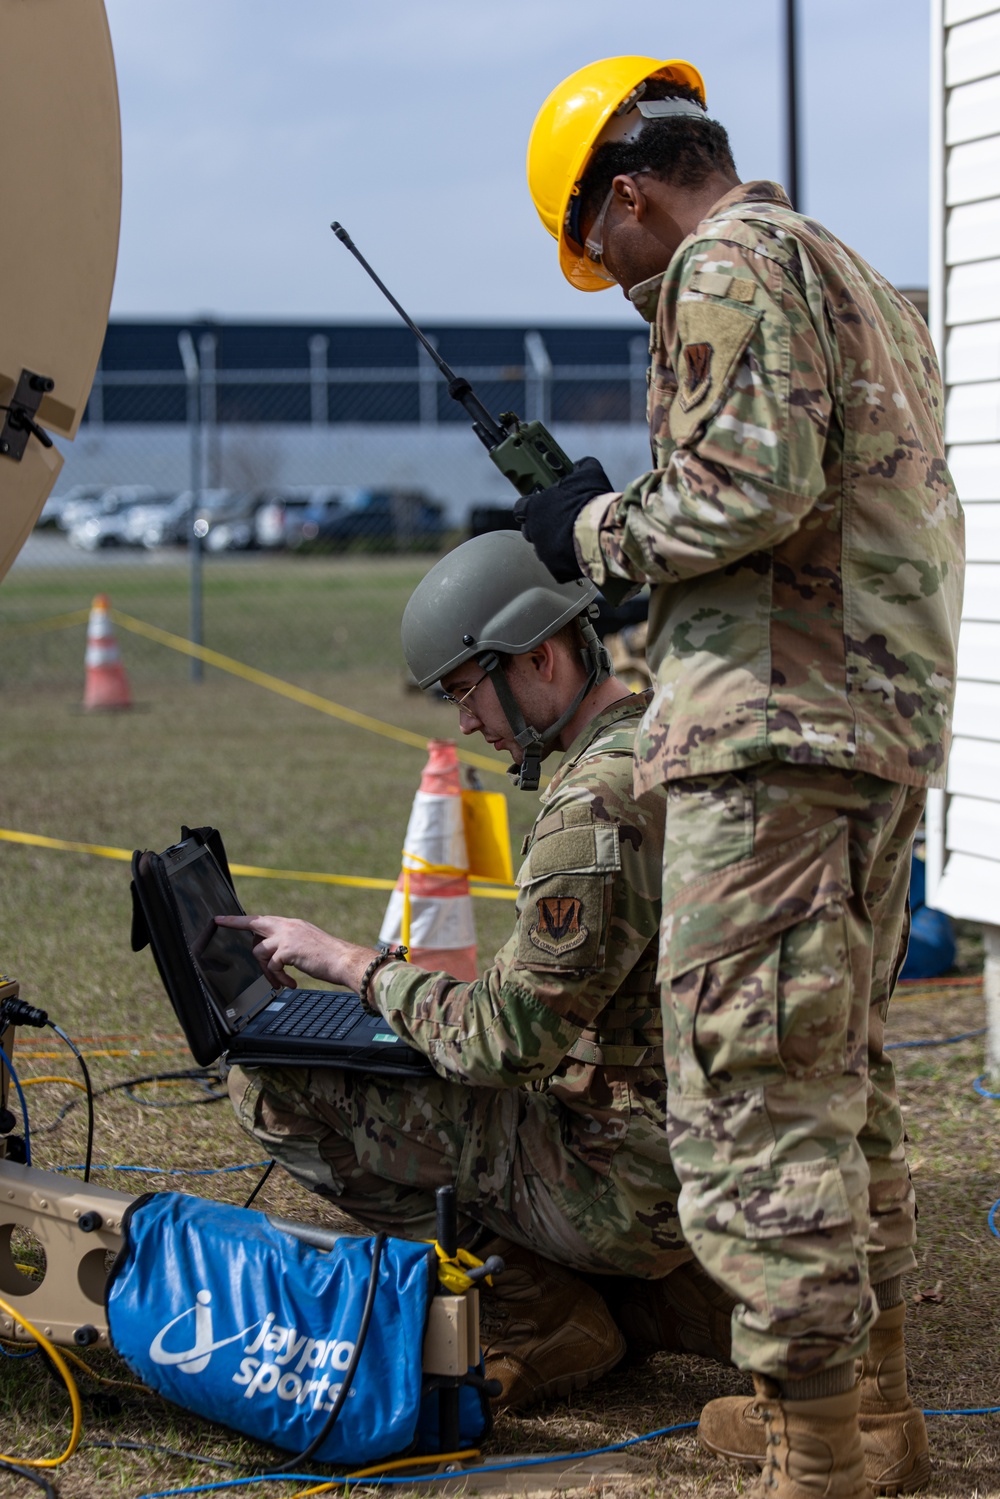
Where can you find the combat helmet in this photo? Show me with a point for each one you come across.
(490, 597)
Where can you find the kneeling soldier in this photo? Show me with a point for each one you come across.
(549, 1110)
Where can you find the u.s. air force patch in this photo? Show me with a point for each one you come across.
(559, 924)
(697, 374)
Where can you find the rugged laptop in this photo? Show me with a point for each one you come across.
(220, 996)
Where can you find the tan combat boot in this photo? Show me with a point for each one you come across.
(892, 1428)
(557, 1336)
(893, 1432)
(685, 1312)
(813, 1447)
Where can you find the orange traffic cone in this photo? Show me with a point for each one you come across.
(106, 685)
(430, 910)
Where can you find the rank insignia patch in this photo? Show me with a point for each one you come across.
(697, 375)
(559, 927)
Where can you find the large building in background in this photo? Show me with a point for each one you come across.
(351, 404)
(963, 844)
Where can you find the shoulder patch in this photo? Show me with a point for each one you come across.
(558, 926)
(713, 340)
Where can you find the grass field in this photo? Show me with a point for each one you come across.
(294, 789)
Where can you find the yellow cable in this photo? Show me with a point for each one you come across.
(72, 1082)
(71, 1390)
(393, 1467)
(121, 1384)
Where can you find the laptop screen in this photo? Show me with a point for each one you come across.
(224, 958)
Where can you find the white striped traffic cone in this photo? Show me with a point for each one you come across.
(106, 683)
(430, 910)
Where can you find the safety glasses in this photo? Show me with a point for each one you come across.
(594, 244)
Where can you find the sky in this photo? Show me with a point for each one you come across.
(248, 125)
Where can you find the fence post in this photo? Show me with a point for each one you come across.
(210, 465)
(428, 386)
(319, 346)
(538, 385)
(193, 374)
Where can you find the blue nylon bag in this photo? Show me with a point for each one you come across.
(235, 1320)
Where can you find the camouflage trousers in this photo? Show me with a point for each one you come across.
(784, 928)
(379, 1147)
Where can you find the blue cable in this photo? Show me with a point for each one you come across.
(976, 1410)
(5, 1352)
(943, 1041)
(992, 1219)
(524, 1462)
(977, 1083)
(171, 1171)
(24, 1107)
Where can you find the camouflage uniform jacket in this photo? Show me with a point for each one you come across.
(570, 1006)
(800, 527)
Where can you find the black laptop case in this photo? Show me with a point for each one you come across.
(157, 923)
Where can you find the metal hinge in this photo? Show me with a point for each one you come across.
(20, 422)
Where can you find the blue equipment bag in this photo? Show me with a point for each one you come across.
(230, 1317)
(932, 937)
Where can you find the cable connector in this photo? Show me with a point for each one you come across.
(17, 1012)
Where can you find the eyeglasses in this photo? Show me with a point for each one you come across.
(460, 702)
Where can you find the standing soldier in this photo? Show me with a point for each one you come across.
(549, 1111)
(804, 544)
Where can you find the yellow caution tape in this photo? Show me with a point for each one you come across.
(53, 622)
(247, 871)
(287, 689)
(260, 678)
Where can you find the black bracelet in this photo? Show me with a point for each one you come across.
(384, 955)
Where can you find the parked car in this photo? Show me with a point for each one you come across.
(52, 510)
(224, 519)
(383, 520)
(165, 520)
(289, 514)
(110, 500)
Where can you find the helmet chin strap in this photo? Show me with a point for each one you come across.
(536, 742)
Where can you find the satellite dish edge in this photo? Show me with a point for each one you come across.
(61, 139)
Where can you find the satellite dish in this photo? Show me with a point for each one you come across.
(61, 151)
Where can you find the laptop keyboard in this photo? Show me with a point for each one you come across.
(317, 1013)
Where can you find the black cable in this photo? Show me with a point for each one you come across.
(206, 1082)
(193, 1457)
(287, 1463)
(46, 1485)
(267, 1172)
(88, 1159)
(203, 1075)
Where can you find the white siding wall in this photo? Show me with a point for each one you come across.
(964, 823)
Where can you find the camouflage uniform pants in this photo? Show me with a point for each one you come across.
(784, 928)
(379, 1147)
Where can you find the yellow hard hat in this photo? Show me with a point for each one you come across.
(567, 130)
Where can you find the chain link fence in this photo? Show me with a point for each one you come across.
(210, 454)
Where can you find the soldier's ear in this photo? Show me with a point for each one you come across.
(543, 661)
(631, 195)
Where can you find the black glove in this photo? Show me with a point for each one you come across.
(547, 517)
